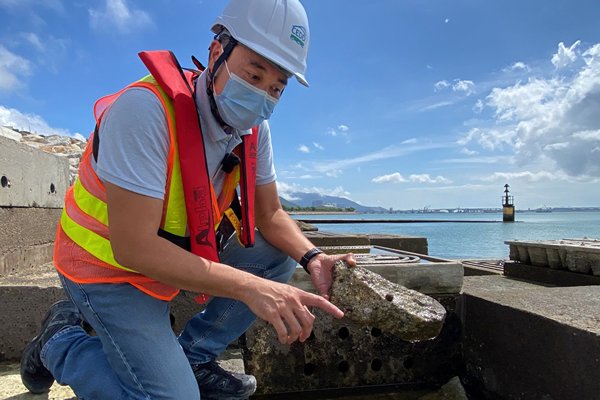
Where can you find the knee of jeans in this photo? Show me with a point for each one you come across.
(283, 271)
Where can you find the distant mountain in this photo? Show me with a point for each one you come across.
(287, 203)
(317, 200)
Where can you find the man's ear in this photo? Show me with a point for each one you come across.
(214, 52)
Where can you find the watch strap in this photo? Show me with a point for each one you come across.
(309, 255)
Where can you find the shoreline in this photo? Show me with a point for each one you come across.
(323, 212)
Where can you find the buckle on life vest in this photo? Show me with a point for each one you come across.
(230, 223)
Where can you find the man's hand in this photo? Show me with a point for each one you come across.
(320, 268)
(287, 309)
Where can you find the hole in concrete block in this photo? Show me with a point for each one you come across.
(408, 362)
(343, 333)
(376, 364)
(343, 366)
(309, 369)
(389, 297)
(52, 188)
(375, 332)
(4, 181)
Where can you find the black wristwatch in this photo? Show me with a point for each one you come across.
(309, 256)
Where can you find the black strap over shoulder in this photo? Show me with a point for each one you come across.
(181, 241)
(96, 142)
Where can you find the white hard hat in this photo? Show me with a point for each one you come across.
(275, 29)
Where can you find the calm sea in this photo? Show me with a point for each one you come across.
(473, 240)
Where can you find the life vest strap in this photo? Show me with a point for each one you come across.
(181, 241)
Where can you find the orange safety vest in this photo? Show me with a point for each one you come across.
(82, 250)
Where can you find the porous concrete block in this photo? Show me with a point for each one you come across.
(30, 177)
(343, 354)
(432, 276)
(368, 298)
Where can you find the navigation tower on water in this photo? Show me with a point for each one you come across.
(508, 206)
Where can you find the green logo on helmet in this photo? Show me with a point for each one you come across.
(298, 35)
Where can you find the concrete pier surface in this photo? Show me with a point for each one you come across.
(520, 341)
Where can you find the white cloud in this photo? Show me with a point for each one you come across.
(335, 167)
(436, 105)
(32, 123)
(468, 87)
(303, 148)
(440, 85)
(527, 176)
(117, 15)
(318, 146)
(554, 118)
(588, 135)
(425, 178)
(396, 177)
(517, 67)
(287, 190)
(478, 107)
(489, 139)
(565, 55)
(52, 51)
(33, 40)
(13, 68)
(479, 160)
(409, 141)
(447, 20)
(55, 5)
(468, 152)
(341, 130)
(458, 85)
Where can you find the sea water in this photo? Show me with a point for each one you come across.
(467, 240)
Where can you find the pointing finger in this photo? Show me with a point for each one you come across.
(319, 301)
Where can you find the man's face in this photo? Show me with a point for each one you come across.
(249, 66)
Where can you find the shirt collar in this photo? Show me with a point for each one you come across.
(210, 127)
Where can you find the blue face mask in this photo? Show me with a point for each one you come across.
(242, 105)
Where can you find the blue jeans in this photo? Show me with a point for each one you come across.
(136, 354)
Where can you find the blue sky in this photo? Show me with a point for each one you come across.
(412, 104)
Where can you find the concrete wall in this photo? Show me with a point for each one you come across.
(524, 341)
(26, 237)
(30, 177)
(32, 189)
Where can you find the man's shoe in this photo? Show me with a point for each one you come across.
(216, 383)
(34, 375)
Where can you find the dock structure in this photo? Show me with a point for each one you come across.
(507, 334)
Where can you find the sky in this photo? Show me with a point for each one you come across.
(412, 104)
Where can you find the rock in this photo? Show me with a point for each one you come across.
(62, 146)
(453, 390)
(368, 298)
(306, 227)
(9, 133)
